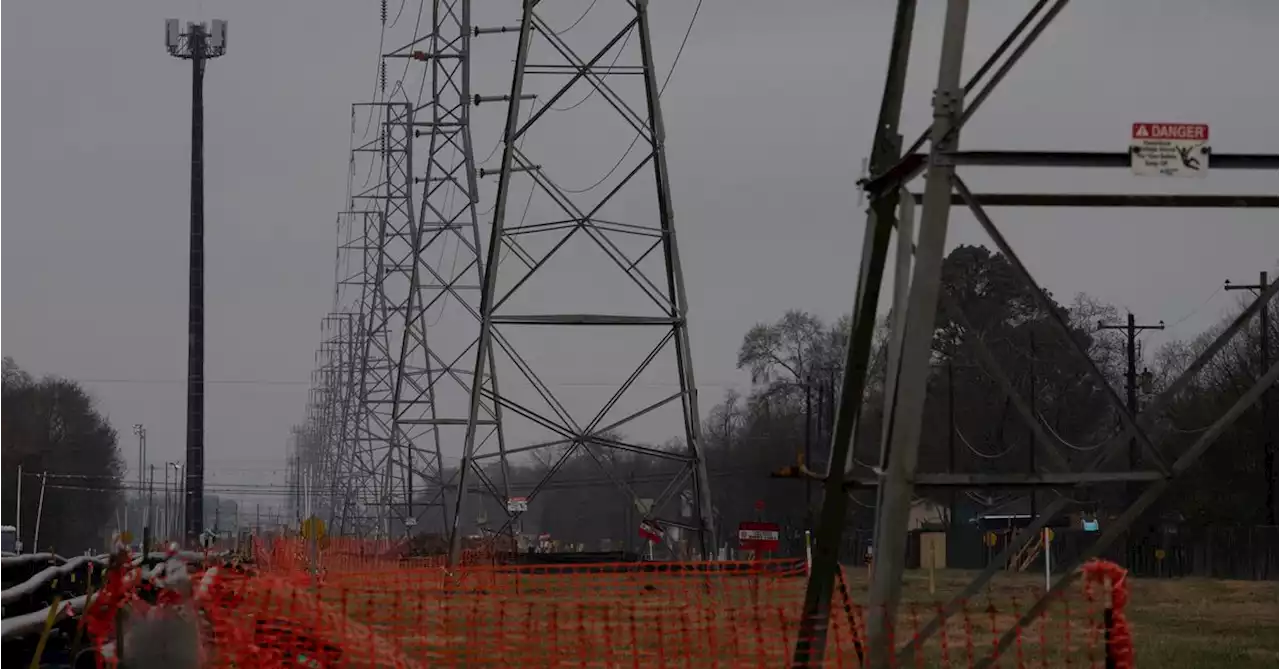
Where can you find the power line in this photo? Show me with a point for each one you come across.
(975, 451)
(674, 62)
(293, 382)
(1216, 292)
(579, 20)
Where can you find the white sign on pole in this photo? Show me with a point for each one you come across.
(518, 504)
(757, 535)
(1169, 149)
(410, 522)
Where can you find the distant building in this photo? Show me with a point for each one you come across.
(927, 514)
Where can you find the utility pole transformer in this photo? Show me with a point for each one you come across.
(198, 44)
(1268, 404)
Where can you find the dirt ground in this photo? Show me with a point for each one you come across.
(667, 620)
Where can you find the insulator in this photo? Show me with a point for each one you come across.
(384, 12)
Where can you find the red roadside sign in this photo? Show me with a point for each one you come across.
(651, 530)
(754, 535)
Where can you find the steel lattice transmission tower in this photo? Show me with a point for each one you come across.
(323, 444)
(423, 275)
(355, 295)
(619, 237)
(437, 352)
(397, 445)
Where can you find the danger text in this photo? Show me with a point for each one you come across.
(1179, 131)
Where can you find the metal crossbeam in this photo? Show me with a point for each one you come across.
(1117, 200)
(911, 336)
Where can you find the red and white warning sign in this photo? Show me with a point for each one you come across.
(651, 530)
(758, 536)
(1169, 149)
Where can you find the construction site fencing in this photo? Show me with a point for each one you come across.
(283, 612)
(384, 612)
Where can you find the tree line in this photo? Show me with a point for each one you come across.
(51, 425)
(971, 419)
(972, 423)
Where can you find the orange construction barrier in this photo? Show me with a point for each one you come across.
(365, 608)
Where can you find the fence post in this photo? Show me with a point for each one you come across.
(1108, 622)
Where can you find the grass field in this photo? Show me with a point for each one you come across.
(1205, 623)
(1177, 623)
(601, 620)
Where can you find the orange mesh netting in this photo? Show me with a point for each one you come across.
(1114, 580)
(371, 608)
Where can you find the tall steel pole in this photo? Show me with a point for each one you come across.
(167, 526)
(140, 431)
(198, 44)
(900, 449)
(886, 148)
(147, 537)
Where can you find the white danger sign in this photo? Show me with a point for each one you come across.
(517, 504)
(1169, 149)
(757, 535)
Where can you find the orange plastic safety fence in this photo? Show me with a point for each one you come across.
(665, 614)
(1115, 583)
(336, 555)
(724, 614)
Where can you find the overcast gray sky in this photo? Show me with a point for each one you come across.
(769, 115)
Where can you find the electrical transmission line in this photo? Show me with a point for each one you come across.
(365, 445)
(409, 250)
(436, 374)
(640, 253)
(425, 324)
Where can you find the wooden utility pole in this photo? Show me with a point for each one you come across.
(1031, 439)
(1268, 403)
(807, 457)
(1131, 330)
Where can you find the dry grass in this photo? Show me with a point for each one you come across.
(606, 620)
(1205, 623)
(1176, 623)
